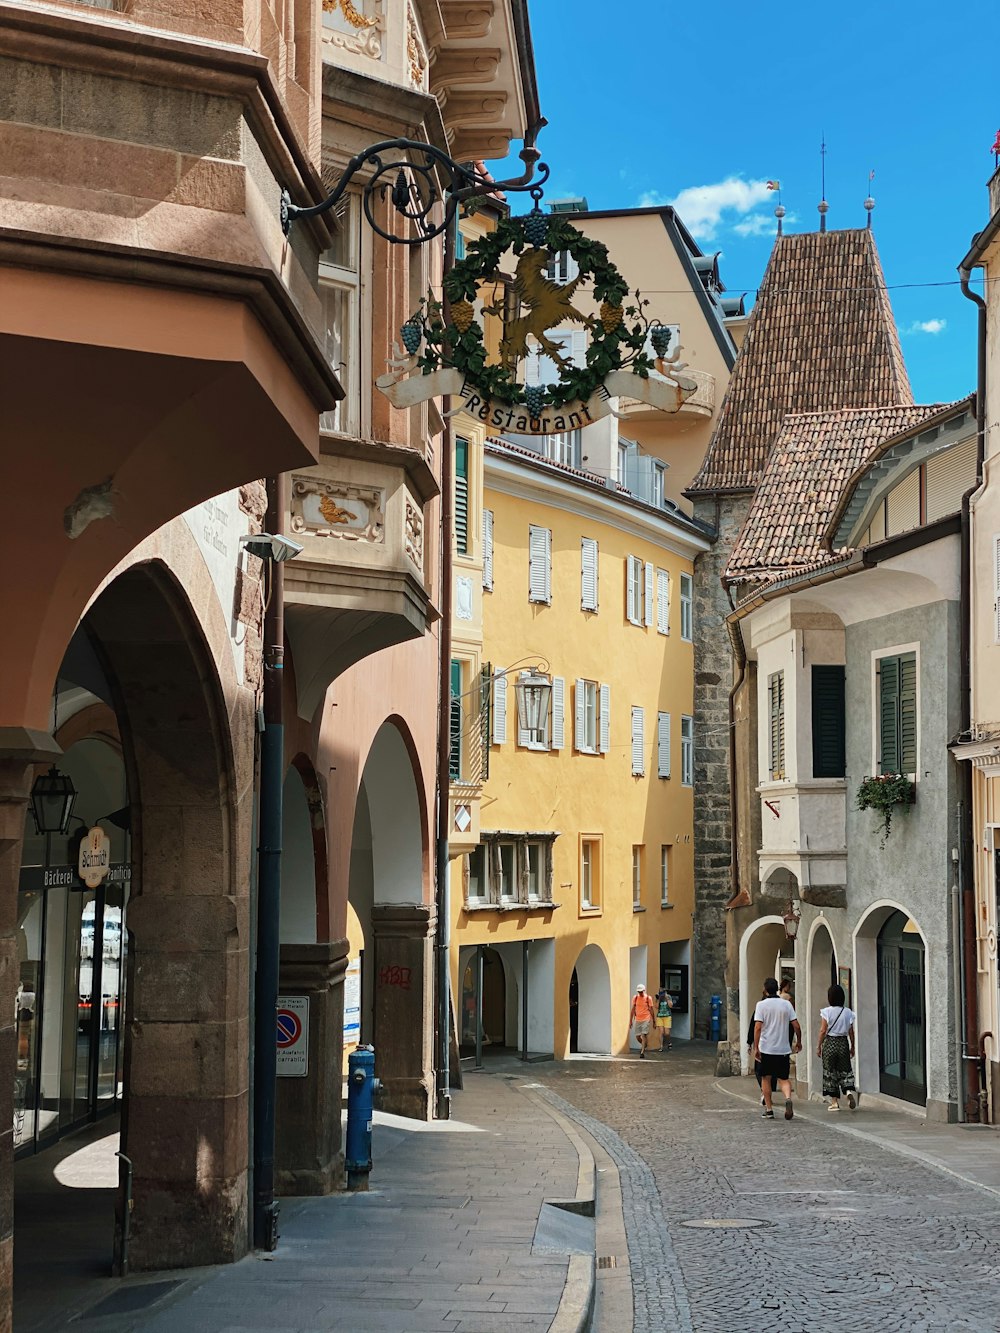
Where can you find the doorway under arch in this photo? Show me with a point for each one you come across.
(821, 974)
(765, 951)
(593, 1001)
(891, 1003)
(304, 899)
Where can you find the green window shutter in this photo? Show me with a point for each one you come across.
(462, 496)
(828, 736)
(908, 713)
(888, 749)
(455, 732)
(776, 698)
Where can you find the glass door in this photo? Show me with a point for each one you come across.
(901, 1009)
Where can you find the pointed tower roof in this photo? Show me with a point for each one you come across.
(821, 337)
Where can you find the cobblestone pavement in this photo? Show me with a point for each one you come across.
(852, 1234)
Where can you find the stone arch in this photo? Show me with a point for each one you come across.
(760, 945)
(821, 967)
(305, 900)
(593, 978)
(866, 988)
(185, 1109)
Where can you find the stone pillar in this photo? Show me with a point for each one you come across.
(308, 1154)
(18, 751)
(404, 982)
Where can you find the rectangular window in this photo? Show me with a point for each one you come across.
(455, 717)
(588, 574)
(687, 751)
(636, 877)
(587, 729)
(658, 471)
(664, 876)
(533, 861)
(488, 550)
(562, 268)
(638, 741)
(776, 725)
(623, 452)
(539, 564)
(590, 874)
(506, 864)
(635, 583)
(897, 716)
(512, 868)
(477, 889)
(663, 745)
(828, 730)
(662, 602)
(461, 496)
(564, 448)
(340, 282)
(687, 607)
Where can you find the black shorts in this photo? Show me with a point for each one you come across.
(774, 1066)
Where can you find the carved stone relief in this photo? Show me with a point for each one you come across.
(338, 509)
(357, 27)
(414, 533)
(416, 51)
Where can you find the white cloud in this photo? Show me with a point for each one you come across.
(761, 224)
(651, 199)
(701, 207)
(928, 326)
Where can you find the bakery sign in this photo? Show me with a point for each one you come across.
(94, 861)
(497, 377)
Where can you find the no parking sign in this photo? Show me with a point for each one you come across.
(292, 1033)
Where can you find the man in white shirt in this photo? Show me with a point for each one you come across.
(773, 1019)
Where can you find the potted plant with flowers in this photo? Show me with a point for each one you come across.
(883, 793)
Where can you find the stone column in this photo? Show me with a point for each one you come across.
(308, 1154)
(404, 980)
(19, 750)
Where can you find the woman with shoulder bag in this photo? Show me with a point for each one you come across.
(836, 1048)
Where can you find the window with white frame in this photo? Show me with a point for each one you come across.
(635, 590)
(550, 735)
(562, 268)
(636, 877)
(591, 717)
(657, 479)
(662, 602)
(588, 574)
(340, 283)
(564, 448)
(663, 745)
(510, 868)
(539, 564)
(623, 452)
(687, 607)
(664, 875)
(542, 369)
(590, 874)
(638, 741)
(687, 751)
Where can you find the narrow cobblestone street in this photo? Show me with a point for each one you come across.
(834, 1229)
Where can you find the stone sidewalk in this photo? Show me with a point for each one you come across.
(457, 1235)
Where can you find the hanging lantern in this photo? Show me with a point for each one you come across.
(532, 691)
(52, 798)
(792, 918)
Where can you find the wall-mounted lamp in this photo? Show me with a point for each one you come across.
(532, 691)
(52, 798)
(792, 918)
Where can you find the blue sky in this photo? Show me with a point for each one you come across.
(699, 105)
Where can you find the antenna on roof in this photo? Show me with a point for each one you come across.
(869, 201)
(824, 207)
(779, 212)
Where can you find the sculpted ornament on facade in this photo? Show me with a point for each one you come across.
(628, 355)
(413, 537)
(349, 29)
(416, 53)
(326, 508)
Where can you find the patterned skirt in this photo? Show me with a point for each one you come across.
(837, 1072)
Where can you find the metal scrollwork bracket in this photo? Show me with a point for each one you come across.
(417, 177)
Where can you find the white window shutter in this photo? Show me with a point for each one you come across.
(558, 713)
(605, 718)
(630, 608)
(588, 574)
(578, 344)
(488, 549)
(579, 716)
(649, 593)
(499, 708)
(662, 601)
(638, 741)
(663, 745)
(531, 365)
(539, 565)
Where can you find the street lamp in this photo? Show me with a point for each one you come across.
(52, 798)
(791, 919)
(532, 691)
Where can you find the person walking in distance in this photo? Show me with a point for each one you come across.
(835, 1047)
(774, 1019)
(643, 1015)
(665, 1019)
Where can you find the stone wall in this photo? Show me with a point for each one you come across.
(713, 666)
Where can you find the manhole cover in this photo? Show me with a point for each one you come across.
(717, 1222)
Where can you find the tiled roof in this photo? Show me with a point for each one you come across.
(815, 456)
(821, 336)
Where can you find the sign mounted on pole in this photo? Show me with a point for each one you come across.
(292, 1035)
(94, 860)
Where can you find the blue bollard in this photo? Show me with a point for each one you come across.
(715, 1028)
(362, 1088)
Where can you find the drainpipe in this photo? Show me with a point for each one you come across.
(443, 906)
(740, 652)
(272, 761)
(966, 832)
